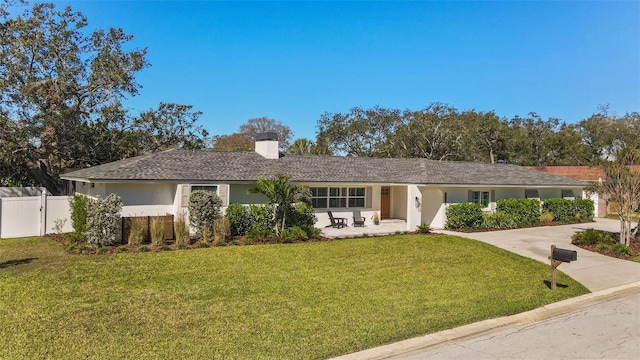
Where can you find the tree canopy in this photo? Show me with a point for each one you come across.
(61, 93)
(441, 132)
(243, 140)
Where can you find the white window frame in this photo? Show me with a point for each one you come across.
(194, 187)
(340, 197)
(481, 197)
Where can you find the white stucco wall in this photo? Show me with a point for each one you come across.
(398, 206)
(239, 193)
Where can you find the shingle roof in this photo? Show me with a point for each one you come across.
(208, 165)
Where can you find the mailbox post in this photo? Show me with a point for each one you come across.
(559, 256)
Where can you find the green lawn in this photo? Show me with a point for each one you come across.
(300, 301)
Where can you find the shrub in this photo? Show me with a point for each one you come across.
(500, 220)
(103, 221)
(312, 231)
(588, 237)
(257, 235)
(78, 204)
(239, 220)
(261, 218)
(423, 229)
(157, 231)
(221, 229)
(143, 248)
(609, 240)
(204, 208)
(73, 238)
(304, 215)
(136, 233)
(292, 234)
(181, 230)
(563, 210)
(546, 218)
(464, 216)
(602, 247)
(622, 249)
(524, 212)
(59, 225)
(203, 245)
(585, 208)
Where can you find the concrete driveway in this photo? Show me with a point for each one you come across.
(579, 325)
(596, 272)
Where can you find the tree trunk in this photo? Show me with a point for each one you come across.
(42, 176)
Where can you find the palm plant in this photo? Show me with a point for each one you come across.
(281, 196)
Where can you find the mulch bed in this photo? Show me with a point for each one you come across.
(83, 248)
(634, 246)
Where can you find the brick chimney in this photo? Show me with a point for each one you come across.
(267, 145)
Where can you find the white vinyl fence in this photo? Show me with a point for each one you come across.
(33, 215)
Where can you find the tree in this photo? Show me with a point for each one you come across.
(435, 132)
(233, 142)
(604, 133)
(256, 126)
(282, 197)
(52, 78)
(360, 132)
(303, 146)
(171, 125)
(621, 186)
(244, 139)
(484, 136)
(529, 141)
(61, 93)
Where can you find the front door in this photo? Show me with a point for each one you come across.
(385, 202)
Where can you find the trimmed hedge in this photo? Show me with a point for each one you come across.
(565, 210)
(585, 208)
(515, 213)
(464, 216)
(525, 212)
(500, 220)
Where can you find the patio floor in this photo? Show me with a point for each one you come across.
(387, 226)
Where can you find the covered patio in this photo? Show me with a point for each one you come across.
(387, 226)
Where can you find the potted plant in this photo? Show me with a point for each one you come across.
(376, 218)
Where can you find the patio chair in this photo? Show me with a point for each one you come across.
(358, 219)
(336, 222)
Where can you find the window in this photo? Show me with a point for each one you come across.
(337, 197)
(480, 197)
(567, 194)
(213, 188)
(531, 194)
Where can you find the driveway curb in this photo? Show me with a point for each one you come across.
(445, 337)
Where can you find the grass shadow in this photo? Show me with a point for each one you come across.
(558, 285)
(6, 264)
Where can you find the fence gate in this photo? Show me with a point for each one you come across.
(33, 215)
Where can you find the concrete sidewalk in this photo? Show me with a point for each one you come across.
(608, 278)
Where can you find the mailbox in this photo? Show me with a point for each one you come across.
(564, 255)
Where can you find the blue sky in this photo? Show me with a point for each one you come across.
(293, 61)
